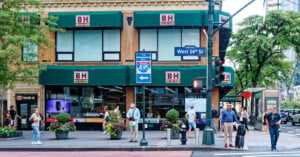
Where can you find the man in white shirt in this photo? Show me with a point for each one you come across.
(191, 117)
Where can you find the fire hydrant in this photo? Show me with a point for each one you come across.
(183, 134)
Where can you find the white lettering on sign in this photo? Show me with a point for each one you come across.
(223, 18)
(167, 19)
(81, 77)
(172, 77)
(82, 20)
(227, 77)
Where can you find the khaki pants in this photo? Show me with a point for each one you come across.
(228, 127)
(134, 131)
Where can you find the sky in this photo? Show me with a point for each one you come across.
(231, 6)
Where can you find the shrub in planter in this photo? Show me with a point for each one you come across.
(172, 122)
(7, 132)
(63, 123)
(115, 126)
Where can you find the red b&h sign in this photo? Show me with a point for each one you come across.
(167, 19)
(82, 20)
(172, 77)
(81, 77)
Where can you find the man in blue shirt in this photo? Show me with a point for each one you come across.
(273, 121)
(227, 120)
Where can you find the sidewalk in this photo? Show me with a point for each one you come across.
(95, 140)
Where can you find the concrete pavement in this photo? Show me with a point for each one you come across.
(95, 140)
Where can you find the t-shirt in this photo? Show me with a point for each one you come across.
(191, 115)
(36, 120)
(273, 118)
(13, 114)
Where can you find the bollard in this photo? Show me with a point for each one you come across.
(183, 134)
(197, 136)
(168, 136)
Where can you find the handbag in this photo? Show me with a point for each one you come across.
(132, 123)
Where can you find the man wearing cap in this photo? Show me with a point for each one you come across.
(133, 116)
(227, 121)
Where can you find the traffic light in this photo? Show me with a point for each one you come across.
(219, 69)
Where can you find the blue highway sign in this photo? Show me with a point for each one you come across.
(143, 67)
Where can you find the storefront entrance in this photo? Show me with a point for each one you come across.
(25, 104)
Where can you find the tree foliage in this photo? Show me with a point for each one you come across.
(19, 29)
(264, 40)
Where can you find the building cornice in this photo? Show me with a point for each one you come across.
(97, 5)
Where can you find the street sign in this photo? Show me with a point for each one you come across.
(190, 51)
(246, 95)
(143, 67)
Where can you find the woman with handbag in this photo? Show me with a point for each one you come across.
(36, 118)
(244, 117)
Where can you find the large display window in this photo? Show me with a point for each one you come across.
(85, 104)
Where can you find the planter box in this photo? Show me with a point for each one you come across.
(62, 135)
(117, 137)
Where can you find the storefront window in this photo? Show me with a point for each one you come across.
(161, 99)
(85, 104)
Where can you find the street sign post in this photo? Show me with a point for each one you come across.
(190, 51)
(143, 67)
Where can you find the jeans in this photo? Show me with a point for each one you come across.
(36, 133)
(274, 135)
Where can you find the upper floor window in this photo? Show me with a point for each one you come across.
(88, 45)
(30, 52)
(161, 42)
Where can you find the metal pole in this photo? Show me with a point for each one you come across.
(168, 136)
(144, 142)
(208, 135)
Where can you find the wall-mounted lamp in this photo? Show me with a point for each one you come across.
(129, 20)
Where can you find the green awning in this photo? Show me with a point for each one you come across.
(112, 19)
(232, 98)
(87, 75)
(181, 18)
(187, 74)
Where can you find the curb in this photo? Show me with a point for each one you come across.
(142, 148)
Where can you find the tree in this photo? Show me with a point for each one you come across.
(264, 41)
(21, 28)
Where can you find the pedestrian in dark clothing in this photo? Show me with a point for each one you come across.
(273, 121)
(244, 117)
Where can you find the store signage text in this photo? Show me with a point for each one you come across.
(81, 77)
(82, 20)
(227, 77)
(172, 77)
(223, 18)
(167, 19)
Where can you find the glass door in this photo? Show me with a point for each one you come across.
(25, 105)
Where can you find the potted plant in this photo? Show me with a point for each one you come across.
(116, 125)
(172, 122)
(62, 126)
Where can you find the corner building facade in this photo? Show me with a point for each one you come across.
(92, 63)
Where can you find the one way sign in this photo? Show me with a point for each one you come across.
(143, 67)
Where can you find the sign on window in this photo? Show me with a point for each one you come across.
(82, 20)
(227, 77)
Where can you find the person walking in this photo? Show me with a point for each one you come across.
(13, 115)
(105, 118)
(227, 121)
(273, 121)
(191, 117)
(244, 117)
(133, 116)
(35, 118)
(214, 114)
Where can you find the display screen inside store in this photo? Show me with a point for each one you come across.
(84, 104)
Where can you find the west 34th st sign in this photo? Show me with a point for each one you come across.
(190, 51)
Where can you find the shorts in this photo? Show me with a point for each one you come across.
(7, 122)
(192, 125)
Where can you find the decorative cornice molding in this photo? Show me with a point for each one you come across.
(125, 4)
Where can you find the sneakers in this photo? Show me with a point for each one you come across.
(38, 142)
(104, 132)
